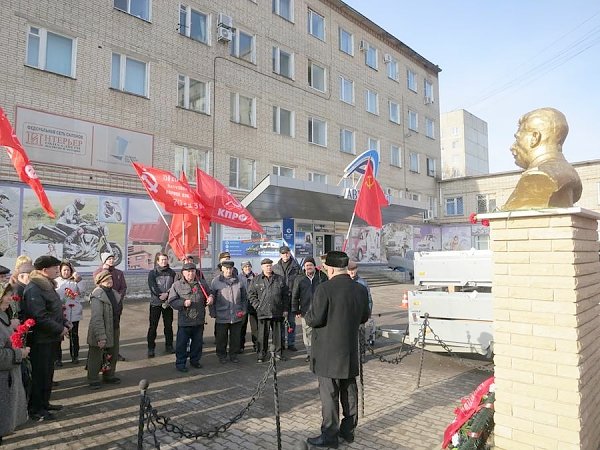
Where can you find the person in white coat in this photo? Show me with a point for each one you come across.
(70, 289)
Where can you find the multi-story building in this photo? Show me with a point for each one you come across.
(286, 91)
(464, 142)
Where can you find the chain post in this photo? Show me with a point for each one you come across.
(424, 332)
(143, 385)
(276, 400)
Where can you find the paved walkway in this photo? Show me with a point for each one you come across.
(397, 416)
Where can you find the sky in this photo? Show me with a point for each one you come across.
(502, 59)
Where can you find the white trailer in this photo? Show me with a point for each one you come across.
(454, 289)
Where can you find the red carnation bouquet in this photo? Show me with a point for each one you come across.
(18, 338)
(71, 293)
(106, 361)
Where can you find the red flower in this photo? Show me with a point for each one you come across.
(30, 323)
(290, 330)
(473, 218)
(71, 293)
(240, 314)
(71, 305)
(16, 298)
(194, 289)
(485, 222)
(16, 341)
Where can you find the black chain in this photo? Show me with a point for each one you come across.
(154, 420)
(409, 348)
(482, 367)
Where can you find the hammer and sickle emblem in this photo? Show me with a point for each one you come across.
(369, 182)
(150, 181)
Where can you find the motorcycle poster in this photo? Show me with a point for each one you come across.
(80, 232)
(10, 199)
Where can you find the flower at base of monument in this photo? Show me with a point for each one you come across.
(473, 218)
(485, 222)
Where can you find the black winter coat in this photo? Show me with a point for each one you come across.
(160, 281)
(338, 308)
(269, 296)
(42, 304)
(303, 292)
(290, 274)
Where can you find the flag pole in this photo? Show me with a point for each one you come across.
(167, 225)
(345, 244)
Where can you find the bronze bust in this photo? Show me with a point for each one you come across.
(548, 181)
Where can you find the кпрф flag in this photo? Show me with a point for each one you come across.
(21, 162)
(370, 199)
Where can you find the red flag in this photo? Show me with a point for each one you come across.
(162, 186)
(221, 206)
(370, 199)
(21, 162)
(183, 237)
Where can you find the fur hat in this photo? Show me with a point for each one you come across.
(266, 261)
(227, 263)
(310, 259)
(102, 276)
(225, 255)
(105, 255)
(246, 263)
(189, 266)
(45, 262)
(337, 259)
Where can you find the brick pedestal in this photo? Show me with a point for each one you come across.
(546, 290)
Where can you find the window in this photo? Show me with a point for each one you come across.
(241, 173)
(316, 177)
(189, 158)
(431, 167)
(194, 24)
(372, 102)
(392, 68)
(428, 90)
(429, 128)
(413, 196)
(243, 109)
(193, 94)
(454, 206)
(485, 203)
(373, 144)
(413, 121)
(346, 141)
(129, 75)
(283, 171)
(412, 80)
(346, 90)
(455, 131)
(283, 121)
(394, 111)
(395, 156)
(284, 8)
(51, 52)
(316, 25)
(137, 8)
(482, 242)
(346, 42)
(371, 56)
(283, 63)
(243, 46)
(317, 131)
(414, 162)
(316, 76)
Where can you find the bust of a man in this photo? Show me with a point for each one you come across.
(548, 181)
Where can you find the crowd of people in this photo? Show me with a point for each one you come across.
(331, 302)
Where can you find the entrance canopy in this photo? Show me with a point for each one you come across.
(276, 197)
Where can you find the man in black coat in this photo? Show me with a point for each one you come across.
(302, 295)
(339, 307)
(268, 294)
(288, 268)
(160, 280)
(43, 304)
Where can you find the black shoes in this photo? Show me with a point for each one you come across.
(169, 349)
(120, 357)
(95, 385)
(42, 415)
(196, 365)
(58, 363)
(113, 380)
(75, 360)
(321, 441)
(150, 353)
(292, 348)
(51, 407)
(182, 369)
(348, 437)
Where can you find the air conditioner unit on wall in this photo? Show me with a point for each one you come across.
(225, 21)
(387, 58)
(427, 215)
(428, 100)
(224, 34)
(363, 45)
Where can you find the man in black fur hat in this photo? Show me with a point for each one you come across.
(338, 308)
